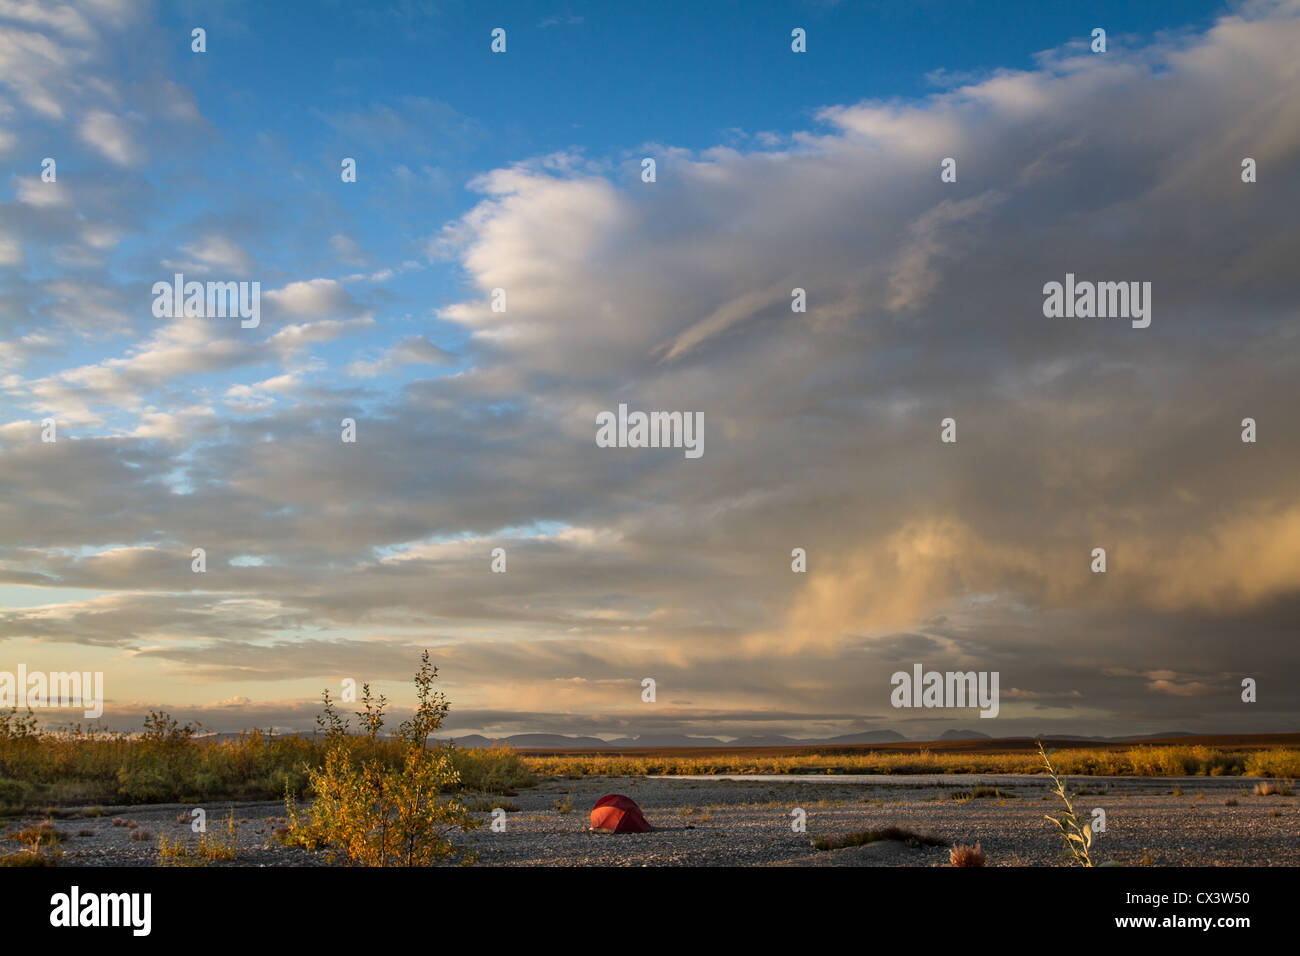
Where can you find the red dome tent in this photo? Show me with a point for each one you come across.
(616, 813)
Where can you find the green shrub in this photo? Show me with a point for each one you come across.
(1280, 762)
(370, 812)
(494, 769)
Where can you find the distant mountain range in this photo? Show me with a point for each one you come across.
(562, 742)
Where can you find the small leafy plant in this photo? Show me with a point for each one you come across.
(1077, 835)
(211, 847)
(216, 845)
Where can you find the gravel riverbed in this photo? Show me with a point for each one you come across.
(1205, 821)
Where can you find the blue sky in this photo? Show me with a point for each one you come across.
(415, 95)
(776, 170)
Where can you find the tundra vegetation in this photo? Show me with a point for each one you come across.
(375, 798)
(1280, 762)
(172, 763)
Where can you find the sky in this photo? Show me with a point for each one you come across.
(329, 560)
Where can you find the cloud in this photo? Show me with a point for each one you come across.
(261, 395)
(924, 302)
(313, 299)
(31, 191)
(211, 254)
(412, 126)
(109, 135)
(347, 249)
(173, 426)
(412, 350)
(559, 20)
(289, 339)
(35, 67)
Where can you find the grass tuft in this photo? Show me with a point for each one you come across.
(30, 858)
(981, 792)
(39, 835)
(1268, 788)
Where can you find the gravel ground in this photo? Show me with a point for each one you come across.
(745, 822)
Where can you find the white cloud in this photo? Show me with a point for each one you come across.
(313, 298)
(212, 253)
(261, 395)
(32, 191)
(412, 350)
(108, 134)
